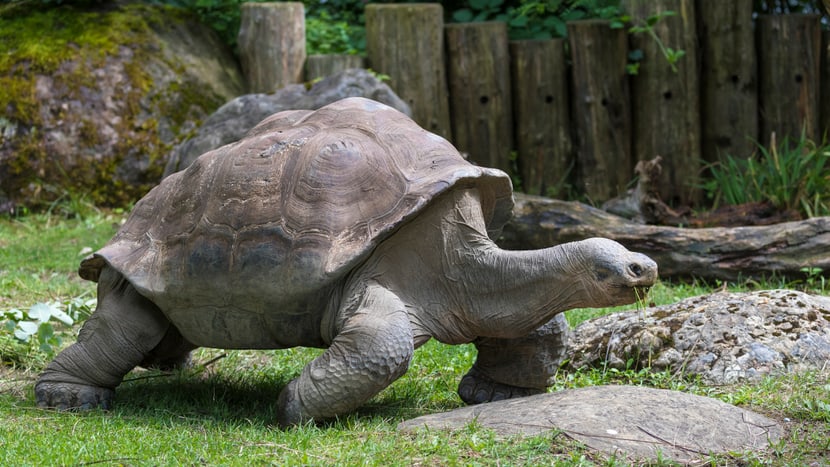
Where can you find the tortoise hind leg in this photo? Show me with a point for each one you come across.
(122, 332)
(172, 353)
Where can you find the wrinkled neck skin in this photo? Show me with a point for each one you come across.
(458, 285)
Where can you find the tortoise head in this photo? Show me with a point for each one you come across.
(609, 273)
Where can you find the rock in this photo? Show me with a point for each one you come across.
(636, 423)
(723, 337)
(98, 112)
(234, 119)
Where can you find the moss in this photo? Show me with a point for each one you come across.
(67, 44)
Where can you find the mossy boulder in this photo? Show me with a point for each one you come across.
(93, 100)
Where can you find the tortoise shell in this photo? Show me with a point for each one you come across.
(286, 212)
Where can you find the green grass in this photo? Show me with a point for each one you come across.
(222, 411)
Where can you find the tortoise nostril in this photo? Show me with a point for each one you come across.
(635, 269)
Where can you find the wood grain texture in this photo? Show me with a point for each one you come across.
(541, 115)
(272, 45)
(406, 42)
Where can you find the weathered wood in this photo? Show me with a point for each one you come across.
(824, 112)
(406, 42)
(711, 253)
(272, 45)
(788, 75)
(666, 117)
(601, 108)
(479, 84)
(320, 66)
(728, 79)
(539, 77)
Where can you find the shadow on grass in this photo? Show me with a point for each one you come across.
(250, 399)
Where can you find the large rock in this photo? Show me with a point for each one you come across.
(93, 101)
(636, 424)
(234, 119)
(723, 337)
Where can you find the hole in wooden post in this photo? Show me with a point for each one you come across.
(667, 95)
(548, 99)
(604, 102)
(735, 79)
(799, 78)
(484, 99)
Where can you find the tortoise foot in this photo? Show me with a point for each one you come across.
(72, 396)
(475, 388)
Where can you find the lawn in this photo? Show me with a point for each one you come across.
(221, 411)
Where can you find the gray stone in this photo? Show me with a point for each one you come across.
(635, 423)
(231, 121)
(723, 337)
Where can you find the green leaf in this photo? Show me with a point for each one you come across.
(518, 22)
(45, 332)
(463, 16)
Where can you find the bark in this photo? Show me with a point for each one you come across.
(665, 109)
(788, 73)
(539, 76)
(729, 84)
(272, 45)
(321, 66)
(780, 250)
(601, 108)
(406, 42)
(479, 83)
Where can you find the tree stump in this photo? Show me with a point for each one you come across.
(666, 117)
(406, 42)
(480, 101)
(320, 66)
(272, 45)
(729, 83)
(788, 75)
(601, 108)
(539, 76)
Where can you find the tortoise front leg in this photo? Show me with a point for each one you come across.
(121, 333)
(508, 368)
(373, 349)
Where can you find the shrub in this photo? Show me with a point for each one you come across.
(792, 175)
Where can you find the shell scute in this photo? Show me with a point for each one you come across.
(289, 209)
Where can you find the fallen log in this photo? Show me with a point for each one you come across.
(790, 250)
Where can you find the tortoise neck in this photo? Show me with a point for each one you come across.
(509, 293)
(458, 285)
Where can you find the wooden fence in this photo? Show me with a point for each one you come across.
(580, 119)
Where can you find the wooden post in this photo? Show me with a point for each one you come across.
(320, 66)
(406, 42)
(542, 122)
(272, 45)
(601, 108)
(824, 92)
(479, 83)
(729, 83)
(788, 75)
(666, 115)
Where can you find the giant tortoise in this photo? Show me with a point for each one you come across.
(348, 228)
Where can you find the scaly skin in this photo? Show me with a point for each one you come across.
(467, 290)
